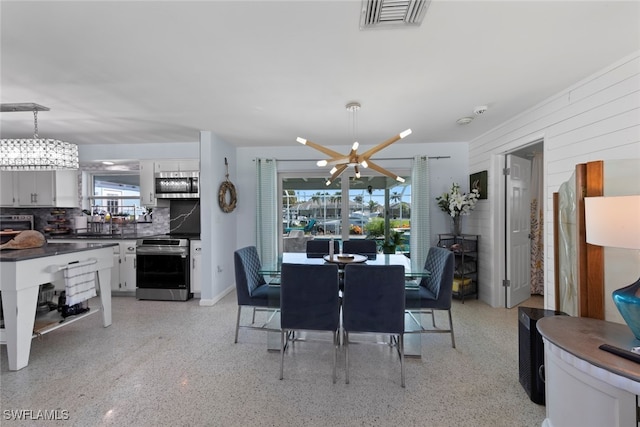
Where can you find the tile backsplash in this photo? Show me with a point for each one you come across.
(42, 216)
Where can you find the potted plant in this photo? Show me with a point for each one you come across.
(389, 246)
(457, 204)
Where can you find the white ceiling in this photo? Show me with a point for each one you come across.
(265, 72)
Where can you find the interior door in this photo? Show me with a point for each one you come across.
(518, 228)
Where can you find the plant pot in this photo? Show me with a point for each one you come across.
(389, 249)
(456, 225)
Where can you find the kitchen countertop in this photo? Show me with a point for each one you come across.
(49, 249)
(95, 236)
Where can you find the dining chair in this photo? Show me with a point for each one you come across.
(309, 301)
(366, 247)
(319, 248)
(374, 302)
(433, 292)
(251, 288)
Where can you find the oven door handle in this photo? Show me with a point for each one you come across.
(142, 250)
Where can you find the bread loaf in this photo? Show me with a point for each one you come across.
(25, 240)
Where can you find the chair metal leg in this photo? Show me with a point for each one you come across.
(346, 356)
(433, 318)
(253, 318)
(237, 324)
(336, 342)
(401, 346)
(453, 340)
(282, 348)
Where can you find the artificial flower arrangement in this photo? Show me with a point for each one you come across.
(456, 203)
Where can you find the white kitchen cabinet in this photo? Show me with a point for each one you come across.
(7, 189)
(196, 266)
(44, 188)
(183, 165)
(128, 266)
(147, 184)
(115, 271)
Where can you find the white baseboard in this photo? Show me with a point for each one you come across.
(209, 302)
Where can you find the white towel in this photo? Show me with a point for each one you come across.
(80, 283)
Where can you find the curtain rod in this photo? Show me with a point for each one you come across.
(377, 158)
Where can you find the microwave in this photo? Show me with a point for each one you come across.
(177, 185)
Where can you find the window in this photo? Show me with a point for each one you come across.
(115, 193)
(308, 204)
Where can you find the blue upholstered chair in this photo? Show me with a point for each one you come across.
(374, 301)
(251, 288)
(320, 248)
(366, 247)
(309, 301)
(434, 292)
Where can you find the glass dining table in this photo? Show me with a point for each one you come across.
(273, 270)
(413, 275)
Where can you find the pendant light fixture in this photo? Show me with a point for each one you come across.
(35, 153)
(340, 162)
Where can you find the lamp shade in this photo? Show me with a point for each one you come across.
(613, 221)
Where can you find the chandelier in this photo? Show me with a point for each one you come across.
(35, 153)
(340, 162)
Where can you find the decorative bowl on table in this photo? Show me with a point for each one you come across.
(345, 257)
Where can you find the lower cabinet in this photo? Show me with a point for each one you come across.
(127, 267)
(196, 266)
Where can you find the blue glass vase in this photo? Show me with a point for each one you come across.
(627, 301)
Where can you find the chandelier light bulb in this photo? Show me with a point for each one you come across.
(355, 146)
(364, 164)
(332, 171)
(405, 133)
(399, 179)
(301, 141)
(321, 163)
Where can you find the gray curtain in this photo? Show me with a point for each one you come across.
(267, 211)
(420, 199)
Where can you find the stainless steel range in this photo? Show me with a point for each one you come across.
(163, 269)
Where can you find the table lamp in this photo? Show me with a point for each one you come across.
(615, 222)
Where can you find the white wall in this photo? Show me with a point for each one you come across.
(218, 229)
(175, 150)
(595, 119)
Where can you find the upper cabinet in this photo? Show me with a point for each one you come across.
(57, 188)
(189, 165)
(147, 184)
(7, 196)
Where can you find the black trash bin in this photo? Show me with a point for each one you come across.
(531, 351)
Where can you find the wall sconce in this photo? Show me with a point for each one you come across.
(615, 222)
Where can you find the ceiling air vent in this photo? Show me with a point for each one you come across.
(392, 13)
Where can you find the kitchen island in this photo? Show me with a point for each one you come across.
(22, 271)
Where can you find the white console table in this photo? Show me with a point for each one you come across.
(584, 385)
(23, 271)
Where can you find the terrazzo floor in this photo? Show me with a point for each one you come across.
(175, 364)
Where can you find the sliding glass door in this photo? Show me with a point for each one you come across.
(366, 207)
